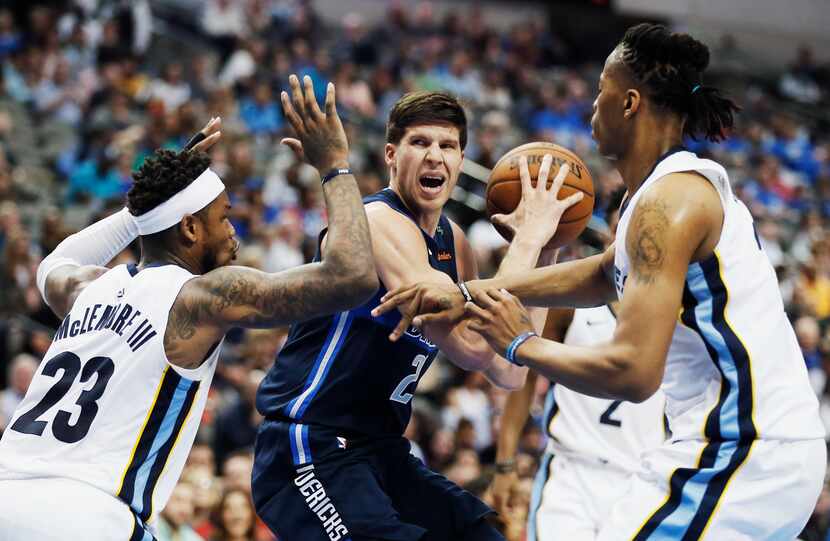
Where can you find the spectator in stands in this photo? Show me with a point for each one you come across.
(21, 371)
(261, 112)
(235, 517)
(808, 333)
(174, 522)
(171, 88)
(18, 267)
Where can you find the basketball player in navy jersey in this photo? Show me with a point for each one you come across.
(331, 459)
(700, 315)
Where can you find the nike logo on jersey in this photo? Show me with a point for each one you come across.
(342, 442)
(319, 503)
(591, 322)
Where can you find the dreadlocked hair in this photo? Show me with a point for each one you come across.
(163, 175)
(670, 67)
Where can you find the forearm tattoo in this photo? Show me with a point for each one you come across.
(245, 297)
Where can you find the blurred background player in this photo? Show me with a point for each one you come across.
(700, 314)
(331, 459)
(594, 444)
(138, 346)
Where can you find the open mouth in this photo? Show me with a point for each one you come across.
(431, 183)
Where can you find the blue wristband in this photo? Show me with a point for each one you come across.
(335, 173)
(510, 354)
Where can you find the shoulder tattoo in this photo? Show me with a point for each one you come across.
(646, 240)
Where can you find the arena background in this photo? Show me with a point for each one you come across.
(89, 88)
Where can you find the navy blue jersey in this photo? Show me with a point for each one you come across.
(341, 371)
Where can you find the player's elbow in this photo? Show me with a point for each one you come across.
(639, 392)
(634, 379)
(470, 355)
(638, 384)
(355, 277)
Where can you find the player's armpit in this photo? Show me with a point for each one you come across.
(65, 283)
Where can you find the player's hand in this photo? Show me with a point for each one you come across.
(321, 140)
(539, 211)
(498, 316)
(422, 304)
(500, 490)
(207, 136)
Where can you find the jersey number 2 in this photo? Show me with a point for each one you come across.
(606, 418)
(398, 395)
(70, 364)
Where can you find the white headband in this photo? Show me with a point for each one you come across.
(196, 196)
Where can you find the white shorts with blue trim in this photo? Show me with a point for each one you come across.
(57, 509)
(573, 497)
(764, 490)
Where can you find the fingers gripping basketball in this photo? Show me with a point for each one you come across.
(504, 187)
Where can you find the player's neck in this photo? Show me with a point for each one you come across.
(154, 255)
(427, 220)
(652, 141)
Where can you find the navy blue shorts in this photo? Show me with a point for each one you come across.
(310, 484)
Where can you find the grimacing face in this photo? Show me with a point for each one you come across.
(425, 165)
(219, 244)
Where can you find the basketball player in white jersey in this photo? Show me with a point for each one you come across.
(700, 316)
(98, 443)
(594, 444)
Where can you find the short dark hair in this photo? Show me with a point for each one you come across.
(670, 66)
(419, 108)
(161, 176)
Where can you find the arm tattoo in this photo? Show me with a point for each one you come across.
(646, 241)
(245, 297)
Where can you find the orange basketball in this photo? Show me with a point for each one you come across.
(504, 187)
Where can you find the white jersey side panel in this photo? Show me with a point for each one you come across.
(734, 370)
(611, 431)
(105, 406)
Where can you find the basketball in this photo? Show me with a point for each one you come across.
(504, 188)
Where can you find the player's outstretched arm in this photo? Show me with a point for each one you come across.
(582, 283)
(346, 276)
(668, 229)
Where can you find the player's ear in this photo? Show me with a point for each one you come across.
(190, 228)
(632, 102)
(389, 152)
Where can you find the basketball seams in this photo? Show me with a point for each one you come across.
(543, 148)
(499, 210)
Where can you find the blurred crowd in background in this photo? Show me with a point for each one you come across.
(88, 90)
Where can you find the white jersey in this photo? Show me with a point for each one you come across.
(610, 431)
(105, 406)
(734, 371)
